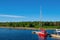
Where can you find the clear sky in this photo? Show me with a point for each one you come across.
(29, 10)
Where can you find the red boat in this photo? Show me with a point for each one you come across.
(42, 34)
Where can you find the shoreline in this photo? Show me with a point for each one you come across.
(20, 28)
(26, 28)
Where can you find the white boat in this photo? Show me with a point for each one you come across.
(56, 34)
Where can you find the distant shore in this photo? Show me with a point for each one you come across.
(26, 28)
(21, 28)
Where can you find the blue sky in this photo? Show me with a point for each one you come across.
(29, 10)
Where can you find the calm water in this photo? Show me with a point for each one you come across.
(13, 34)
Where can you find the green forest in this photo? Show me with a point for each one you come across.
(34, 24)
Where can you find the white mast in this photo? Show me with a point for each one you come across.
(40, 13)
(40, 22)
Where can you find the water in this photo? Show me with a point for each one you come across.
(13, 34)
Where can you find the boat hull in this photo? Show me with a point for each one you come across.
(55, 36)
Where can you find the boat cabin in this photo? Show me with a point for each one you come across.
(57, 31)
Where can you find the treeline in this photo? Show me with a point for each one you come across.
(31, 24)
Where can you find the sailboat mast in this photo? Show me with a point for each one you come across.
(40, 22)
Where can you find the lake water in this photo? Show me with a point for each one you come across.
(13, 34)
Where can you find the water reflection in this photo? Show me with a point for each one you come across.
(42, 38)
(57, 38)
